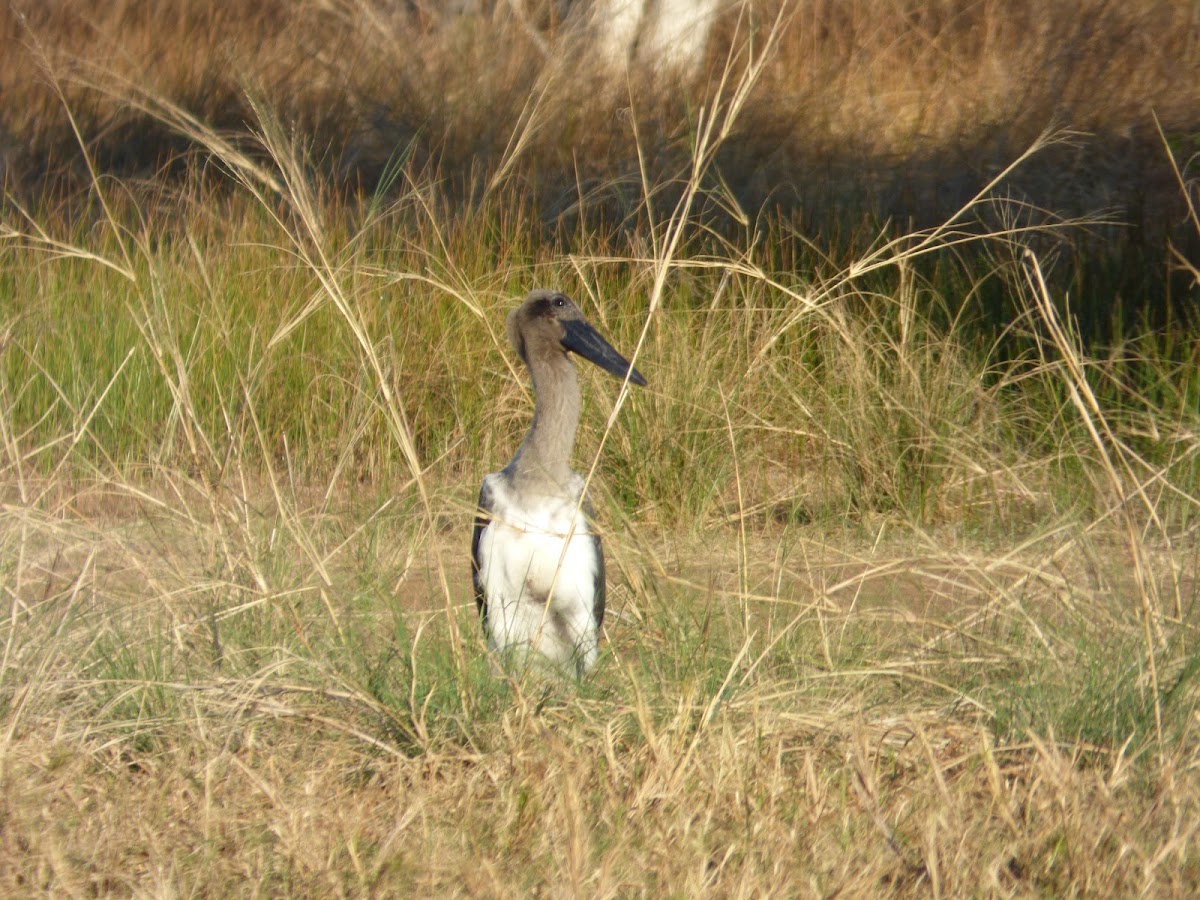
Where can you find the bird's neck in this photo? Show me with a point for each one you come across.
(544, 457)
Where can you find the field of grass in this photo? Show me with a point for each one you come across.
(902, 536)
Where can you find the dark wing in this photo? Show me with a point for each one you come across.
(598, 597)
(483, 518)
(598, 600)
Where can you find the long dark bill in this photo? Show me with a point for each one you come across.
(585, 340)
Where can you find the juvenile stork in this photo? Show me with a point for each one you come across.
(538, 567)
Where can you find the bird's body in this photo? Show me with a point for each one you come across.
(542, 574)
(538, 567)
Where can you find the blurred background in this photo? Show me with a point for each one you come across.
(869, 115)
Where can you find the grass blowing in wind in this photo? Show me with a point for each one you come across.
(893, 603)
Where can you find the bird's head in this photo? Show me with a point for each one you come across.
(548, 323)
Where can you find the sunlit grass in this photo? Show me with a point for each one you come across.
(897, 603)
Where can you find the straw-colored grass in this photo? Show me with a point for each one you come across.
(899, 605)
(891, 107)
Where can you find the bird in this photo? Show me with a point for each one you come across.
(537, 565)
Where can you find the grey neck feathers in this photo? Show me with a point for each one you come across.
(543, 461)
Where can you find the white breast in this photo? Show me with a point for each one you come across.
(538, 565)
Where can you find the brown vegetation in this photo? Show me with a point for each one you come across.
(897, 607)
(884, 105)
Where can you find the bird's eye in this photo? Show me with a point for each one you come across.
(560, 301)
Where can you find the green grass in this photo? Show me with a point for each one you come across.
(1100, 697)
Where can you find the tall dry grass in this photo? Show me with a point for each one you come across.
(870, 115)
(899, 107)
(898, 607)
